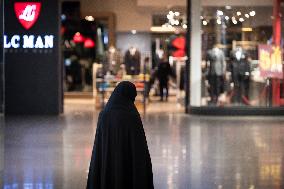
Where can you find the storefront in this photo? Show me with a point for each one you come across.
(236, 58)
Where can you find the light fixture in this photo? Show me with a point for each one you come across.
(204, 22)
(201, 17)
(177, 22)
(235, 22)
(239, 13)
(177, 13)
(169, 16)
(241, 19)
(184, 26)
(171, 12)
(252, 13)
(220, 13)
(219, 21)
(247, 15)
(247, 29)
(89, 18)
(227, 17)
(63, 17)
(133, 32)
(228, 7)
(172, 22)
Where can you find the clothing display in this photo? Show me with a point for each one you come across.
(216, 68)
(112, 60)
(132, 61)
(120, 157)
(240, 72)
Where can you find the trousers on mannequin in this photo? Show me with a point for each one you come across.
(216, 85)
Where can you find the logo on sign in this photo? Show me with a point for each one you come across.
(27, 13)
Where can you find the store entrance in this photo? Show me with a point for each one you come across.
(95, 62)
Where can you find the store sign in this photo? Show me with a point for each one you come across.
(270, 61)
(27, 14)
(33, 69)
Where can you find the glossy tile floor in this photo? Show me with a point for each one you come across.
(188, 152)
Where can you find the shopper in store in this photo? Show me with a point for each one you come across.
(120, 158)
(164, 72)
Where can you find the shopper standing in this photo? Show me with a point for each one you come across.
(120, 158)
(163, 74)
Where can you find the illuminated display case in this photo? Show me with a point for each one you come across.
(236, 58)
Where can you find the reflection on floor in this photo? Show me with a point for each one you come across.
(188, 152)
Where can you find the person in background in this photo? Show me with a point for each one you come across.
(120, 157)
(164, 72)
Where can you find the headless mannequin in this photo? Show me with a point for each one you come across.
(240, 71)
(216, 67)
(132, 61)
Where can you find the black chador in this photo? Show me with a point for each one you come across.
(120, 157)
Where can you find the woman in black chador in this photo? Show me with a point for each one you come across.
(120, 158)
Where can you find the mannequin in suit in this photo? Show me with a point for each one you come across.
(216, 68)
(132, 61)
(240, 71)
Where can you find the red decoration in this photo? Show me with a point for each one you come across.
(89, 43)
(179, 43)
(27, 13)
(78, 38)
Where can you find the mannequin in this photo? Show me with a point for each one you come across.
(132, 61)
(113, 60)
(240, 71)
(216, 68)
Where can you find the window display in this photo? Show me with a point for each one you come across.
(232, 59)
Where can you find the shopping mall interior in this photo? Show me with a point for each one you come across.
(208, 75)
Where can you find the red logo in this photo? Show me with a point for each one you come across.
(27, 13)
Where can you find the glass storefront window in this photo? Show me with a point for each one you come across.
(241, 66)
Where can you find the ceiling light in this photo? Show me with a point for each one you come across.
(219, 21)
(184, 26)
(247, 15)
(89, 18)
(133, 32)
(201, 17)
(220, 13)
(227, 17)
(235, 22)
(252, 13)
(177, 13)
(228, 7)
(176, 22)
(247, 29)
(204, 22)
(171, 12)
(239, 13)
(241, 19)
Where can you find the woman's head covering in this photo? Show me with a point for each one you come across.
(120, 157)
(124, 94)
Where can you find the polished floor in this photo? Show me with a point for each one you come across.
(188, 152)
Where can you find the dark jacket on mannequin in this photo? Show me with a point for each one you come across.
(120, 157)
(132, 62)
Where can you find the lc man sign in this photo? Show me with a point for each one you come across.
(270, 61)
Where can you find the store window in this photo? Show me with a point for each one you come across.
(241, 65)
(84, 42)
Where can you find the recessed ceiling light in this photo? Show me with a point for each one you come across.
(241, 19)
(228, 7)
